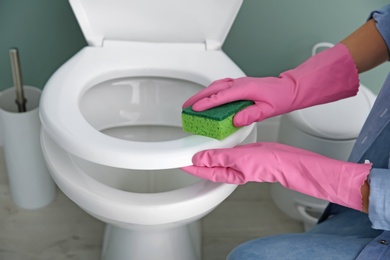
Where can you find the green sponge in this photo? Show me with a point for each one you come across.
(216, 122)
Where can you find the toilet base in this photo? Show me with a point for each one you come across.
(177, 243)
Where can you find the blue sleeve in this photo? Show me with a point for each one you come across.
(379, 199)
(379, 179)
(382, 19)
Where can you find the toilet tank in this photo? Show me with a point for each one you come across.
(329, 129)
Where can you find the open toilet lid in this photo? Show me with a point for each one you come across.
(168, 21)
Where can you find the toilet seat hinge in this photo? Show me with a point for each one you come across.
(212, 45)
(208, 45)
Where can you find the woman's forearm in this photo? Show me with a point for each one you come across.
(365, 190)
(367, 47)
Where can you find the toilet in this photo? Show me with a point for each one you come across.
(329, 129)
(111, 121)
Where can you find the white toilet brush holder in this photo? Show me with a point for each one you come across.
(30, 183)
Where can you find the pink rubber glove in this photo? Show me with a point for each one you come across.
(300, 170)
(328, 76)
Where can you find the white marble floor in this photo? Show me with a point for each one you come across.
(62, 231)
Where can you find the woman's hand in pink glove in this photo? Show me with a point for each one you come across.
(296, 169)
(270, 94)
(328, 76)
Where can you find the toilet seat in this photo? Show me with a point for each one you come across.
(128, 208)
(63, 121)
(175, 39)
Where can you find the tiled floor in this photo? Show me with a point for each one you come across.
(62, 231)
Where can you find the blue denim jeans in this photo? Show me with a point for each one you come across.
(341, 236)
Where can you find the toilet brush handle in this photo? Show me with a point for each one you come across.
(17, 77)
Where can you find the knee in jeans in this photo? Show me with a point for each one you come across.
(250, 250)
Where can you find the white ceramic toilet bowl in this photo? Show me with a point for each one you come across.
(149, 214)
(111, 121)
(96, 117)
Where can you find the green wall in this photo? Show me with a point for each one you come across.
(46, 34)
(268, 36)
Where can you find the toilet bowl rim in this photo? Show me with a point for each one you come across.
(110, 203)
